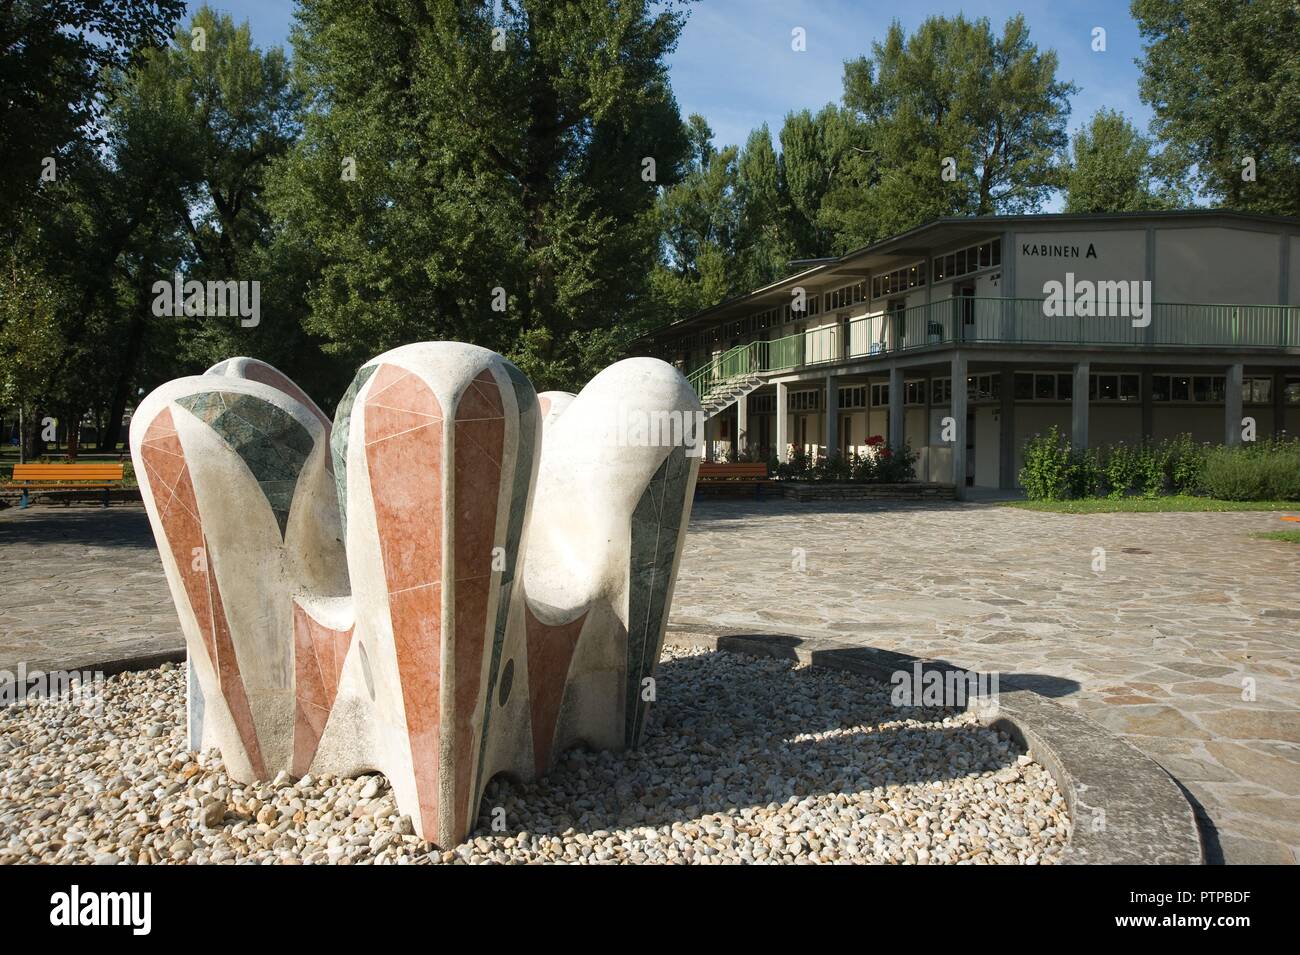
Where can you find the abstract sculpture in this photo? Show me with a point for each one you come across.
(456, 578)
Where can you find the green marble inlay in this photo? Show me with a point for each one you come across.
(272, 443)
(339, 441)
(526, 399)
(656, 527)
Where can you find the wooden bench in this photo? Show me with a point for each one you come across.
(65, 477)
(728, 477)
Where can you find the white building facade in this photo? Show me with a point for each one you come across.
(1113, 327)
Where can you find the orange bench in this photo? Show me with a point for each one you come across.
(65, 477)
(733, 476)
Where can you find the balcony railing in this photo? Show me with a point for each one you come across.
(1004, 321)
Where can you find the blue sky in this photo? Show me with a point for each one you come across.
(734, 64)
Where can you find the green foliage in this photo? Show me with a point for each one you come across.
(883, 466)
(1260, 471)
(1113, 170)
(1055, 471)
(54, 58)
(952, 89)
(1045, 475)
(1223, 79)
(518, 168)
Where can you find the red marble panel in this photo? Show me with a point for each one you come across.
(179, 515)
(406, 468)
(550, 651)
(480, 439)
(319, 652)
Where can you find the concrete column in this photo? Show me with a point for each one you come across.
(958, 412)
(710, 435)
(897, 421)
(1079, 405)
(742, 425)
(831, 439)
(782, 422)
(1007, 430)
(1232, 404)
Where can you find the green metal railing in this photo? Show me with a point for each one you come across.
(1003, 321)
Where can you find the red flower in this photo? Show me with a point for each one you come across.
(886, 453)
(875, 440)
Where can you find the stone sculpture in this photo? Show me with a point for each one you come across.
(455, 578)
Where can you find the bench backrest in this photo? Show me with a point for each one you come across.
(758, 470)
(67, 472)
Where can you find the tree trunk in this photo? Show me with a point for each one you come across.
(126, 376)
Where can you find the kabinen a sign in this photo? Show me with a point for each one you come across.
(1056, 251)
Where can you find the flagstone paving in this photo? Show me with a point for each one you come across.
(1156, 646)
(81, 585)
(1187, 643)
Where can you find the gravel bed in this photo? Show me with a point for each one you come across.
(746, 760)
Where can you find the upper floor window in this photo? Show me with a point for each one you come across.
(899, 280)
(847, 296)
(984, 255)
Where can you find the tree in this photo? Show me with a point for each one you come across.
(953, 98)
(1112, 169)
(1223, 78)
(506, 167)
(764, 242)
(52, 57)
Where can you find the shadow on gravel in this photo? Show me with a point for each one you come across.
(728, 733)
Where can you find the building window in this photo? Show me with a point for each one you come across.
(941, 389)
(914, 392)
(899, 280)
(1209, 389)
(762, 404)
(855, 396)
(985, 255)
(880, 395)
(1257, 391)
(984, 387)
(1291, 391)
(805, 401)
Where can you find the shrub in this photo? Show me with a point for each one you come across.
(1261, 471)
(896, 467)
(1046, 472)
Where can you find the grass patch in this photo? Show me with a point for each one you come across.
(1291, 537)
(1142, 505)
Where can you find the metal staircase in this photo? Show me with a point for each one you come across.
(730, 377)
(724, 394)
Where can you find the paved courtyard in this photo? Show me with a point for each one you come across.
(1156, 646)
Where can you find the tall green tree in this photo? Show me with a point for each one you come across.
(953, 97)
(765, 243)
(53, 54)
(506, 163)
(1223, 78)
(1112, 169)
(699, 224)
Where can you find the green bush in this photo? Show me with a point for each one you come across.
(1046, 473)
(1259, 471)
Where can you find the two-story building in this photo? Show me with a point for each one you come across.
(964, 337)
